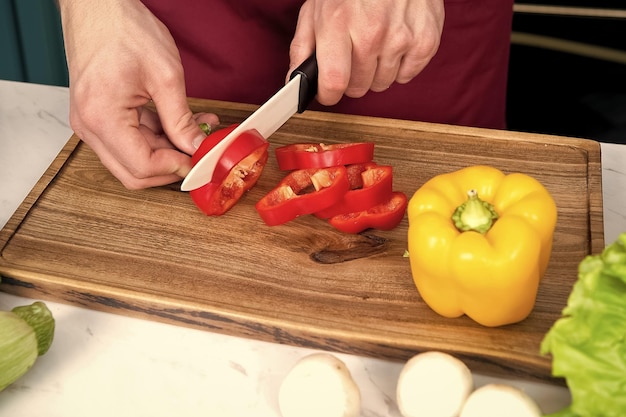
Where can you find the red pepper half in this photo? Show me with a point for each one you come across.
(304, 191)
(238, 170)
(370, 185)
(385, 216)
(319, 155)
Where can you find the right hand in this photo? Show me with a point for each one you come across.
(364, 45)
(121, 57)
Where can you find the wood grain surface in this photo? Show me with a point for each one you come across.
(81, 238)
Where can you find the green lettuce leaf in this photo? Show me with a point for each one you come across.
(588, 344)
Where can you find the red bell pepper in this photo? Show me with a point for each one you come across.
(385, 216)
(304, 191)
(319, 155)
(238, 170)
(370, 185)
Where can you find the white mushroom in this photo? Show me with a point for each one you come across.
(497, 400)
(319, 385)
(433, 384)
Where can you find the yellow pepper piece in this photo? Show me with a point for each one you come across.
(491, 275)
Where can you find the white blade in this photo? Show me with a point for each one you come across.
(266, 120)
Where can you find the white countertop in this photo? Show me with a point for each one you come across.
(102, 364)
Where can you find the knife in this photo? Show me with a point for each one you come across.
(295, 96)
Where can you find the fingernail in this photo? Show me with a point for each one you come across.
(197, 141)
(183, 171)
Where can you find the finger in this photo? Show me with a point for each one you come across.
(174, 113)
(386, 73)
(133, 183)
(150, 119)
(410, 67)
(135, 154)
(134, 179)
(416, 59)
(303, 42)
(334, 59)
(364, 67)
(143, 161)
(209, 118)
(155, 141)
(367, 47)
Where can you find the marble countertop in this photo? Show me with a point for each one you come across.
(102, 364)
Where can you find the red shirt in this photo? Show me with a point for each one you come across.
(239, 51)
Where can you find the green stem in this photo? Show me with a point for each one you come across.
(206, 128)
(474, 214)
(40, 319)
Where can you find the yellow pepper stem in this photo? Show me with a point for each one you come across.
(474, 214)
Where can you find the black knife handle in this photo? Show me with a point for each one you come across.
(308, 82)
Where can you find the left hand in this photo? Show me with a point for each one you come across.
(364, 45)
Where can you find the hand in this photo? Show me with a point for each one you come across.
(364, 45)
(120, 57)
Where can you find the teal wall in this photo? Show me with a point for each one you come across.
(31, 42)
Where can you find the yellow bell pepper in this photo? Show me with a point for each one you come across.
(479, 242)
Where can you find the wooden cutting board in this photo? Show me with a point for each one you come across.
(81, 238)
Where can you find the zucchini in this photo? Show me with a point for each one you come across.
(26, 332)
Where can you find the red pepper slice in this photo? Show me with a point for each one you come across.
(370, 185)
(319, 155)
(238, 170)
(385, 216)
(247, 142)
(304, 191)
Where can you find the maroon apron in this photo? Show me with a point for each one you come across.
(239, 51)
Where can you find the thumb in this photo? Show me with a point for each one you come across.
(177, 121)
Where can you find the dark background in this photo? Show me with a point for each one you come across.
(549, 91)
(566, 93)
